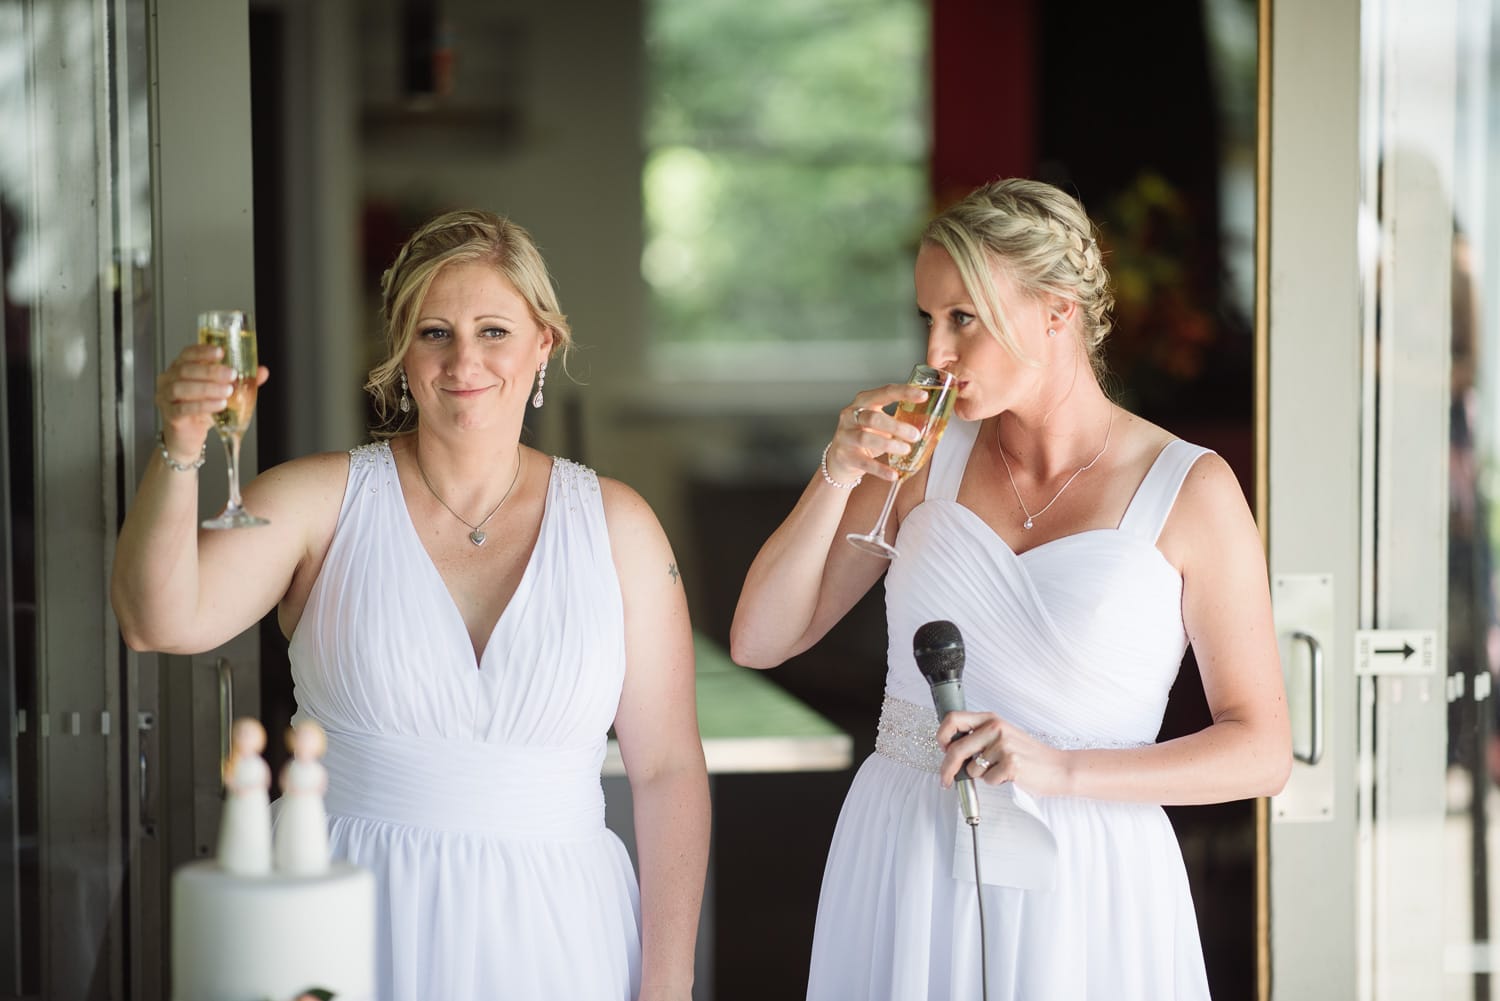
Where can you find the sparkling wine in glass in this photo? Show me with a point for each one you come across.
(234, 332)
(930, 417)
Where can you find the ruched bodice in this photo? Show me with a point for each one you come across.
(471, 786)
(381, 646)
(1079, 638)
(1077, 641)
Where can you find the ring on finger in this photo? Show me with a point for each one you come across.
(983, 762)
(859, 414)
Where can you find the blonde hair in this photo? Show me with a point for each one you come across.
(1045, 243)
(464, 236)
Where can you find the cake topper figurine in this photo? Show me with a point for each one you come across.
(245, 826)
(301, 841)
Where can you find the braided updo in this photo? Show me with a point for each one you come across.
(1043, 240)
(464, 236)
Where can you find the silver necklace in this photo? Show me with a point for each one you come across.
(476, 532)
(1030, 518)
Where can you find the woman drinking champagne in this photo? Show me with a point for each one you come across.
(1079, 549)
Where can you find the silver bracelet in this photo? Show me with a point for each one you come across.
(823, 465)
(181, 467)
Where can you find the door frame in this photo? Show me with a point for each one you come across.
(1308, 313)
(1360, 138)
(201, 257)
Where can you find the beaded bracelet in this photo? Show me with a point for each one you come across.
(823, 465)
(181, 467)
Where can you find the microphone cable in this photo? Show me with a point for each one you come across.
(984, 966)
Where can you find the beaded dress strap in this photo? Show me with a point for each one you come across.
(372, 468)
(371, 455)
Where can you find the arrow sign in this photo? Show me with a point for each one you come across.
(1395, 651)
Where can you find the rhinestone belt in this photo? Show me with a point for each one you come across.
(908, 734)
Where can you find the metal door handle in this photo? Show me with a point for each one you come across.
(1315, 750)
(144, 723)
(226, 707)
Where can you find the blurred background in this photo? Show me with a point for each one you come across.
(729, 196)
(1295, 201)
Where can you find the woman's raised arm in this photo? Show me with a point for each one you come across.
(805, 578)
(178, 588)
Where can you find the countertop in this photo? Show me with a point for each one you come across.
(751, 725)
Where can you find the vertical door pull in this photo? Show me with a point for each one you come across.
(1314, 752)
(226, 707)
(145, 723)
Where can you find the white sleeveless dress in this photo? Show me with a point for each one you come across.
(1078, 642)
(472, 789)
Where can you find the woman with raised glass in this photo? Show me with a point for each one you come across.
(468, 618)
(1079, 550)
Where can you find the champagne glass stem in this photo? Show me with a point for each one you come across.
(232, 454)
(885, 512)
(234, 514)
(873, 541)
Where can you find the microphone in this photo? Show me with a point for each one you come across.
(939, 650)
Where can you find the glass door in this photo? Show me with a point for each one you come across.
(1383, 368)
(115, 227)
(1464, 199)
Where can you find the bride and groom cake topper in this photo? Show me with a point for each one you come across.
(300, 844)
(273, 915)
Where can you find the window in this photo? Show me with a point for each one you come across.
(785, 186)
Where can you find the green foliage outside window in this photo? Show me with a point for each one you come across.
(785, 178)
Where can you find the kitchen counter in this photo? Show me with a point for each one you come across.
(750, 725)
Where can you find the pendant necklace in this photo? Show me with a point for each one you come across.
(476, 532)
(1030, 518)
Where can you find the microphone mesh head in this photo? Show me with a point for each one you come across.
(939, 650)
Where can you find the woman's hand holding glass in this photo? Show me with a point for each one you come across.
(866, 435)
(898, 444)
(195, 387)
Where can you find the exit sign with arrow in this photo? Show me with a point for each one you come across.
(1395, 651)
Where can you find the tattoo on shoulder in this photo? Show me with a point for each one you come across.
(672, 572)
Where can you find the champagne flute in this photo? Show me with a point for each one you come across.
(234, 332)
(931, 417)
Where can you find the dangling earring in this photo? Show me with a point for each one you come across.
(541, 380)
(405, 399)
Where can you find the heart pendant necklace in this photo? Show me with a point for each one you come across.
(476, 532)
(1030, 517)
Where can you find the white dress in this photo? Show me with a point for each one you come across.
(1078, 642)
(471, 789)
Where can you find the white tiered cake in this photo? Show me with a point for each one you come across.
(244, 929)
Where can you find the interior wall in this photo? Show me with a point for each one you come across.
(548, 131)
(551, 140)
(543, 124)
